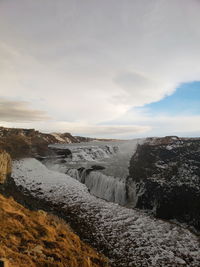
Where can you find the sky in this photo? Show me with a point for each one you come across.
(109, 68)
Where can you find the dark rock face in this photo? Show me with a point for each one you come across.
(165, 173)
(63, 153)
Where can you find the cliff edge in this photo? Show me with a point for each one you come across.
(165, 173)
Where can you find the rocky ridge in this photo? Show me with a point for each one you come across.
(21, 143)
(29, 142)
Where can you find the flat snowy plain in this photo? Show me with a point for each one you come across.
(129, 237)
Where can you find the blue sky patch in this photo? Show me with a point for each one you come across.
(185, 101)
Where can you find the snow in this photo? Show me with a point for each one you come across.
(130, 236)
(169, 147)
(58, 137)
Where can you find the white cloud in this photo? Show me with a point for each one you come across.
(139, 89)
(177, 125)
(162, 125)
(102, 130)
(88, 62)
(141, 126)
(19, 111)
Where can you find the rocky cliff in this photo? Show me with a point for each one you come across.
(5, 166)
(164, 176)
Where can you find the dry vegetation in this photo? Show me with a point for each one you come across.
(35, 238)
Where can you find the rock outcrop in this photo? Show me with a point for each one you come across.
(5, 166)
(164, 176)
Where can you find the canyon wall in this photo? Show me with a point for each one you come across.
(164, 176)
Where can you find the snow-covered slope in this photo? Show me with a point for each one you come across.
(127, 236)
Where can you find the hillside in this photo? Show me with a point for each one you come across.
(28, 142)
(21, 143)
(35, 238)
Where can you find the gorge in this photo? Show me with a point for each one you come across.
(157, 174)
(135, 201)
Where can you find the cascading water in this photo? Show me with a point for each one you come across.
(102, 167)
(106, 187)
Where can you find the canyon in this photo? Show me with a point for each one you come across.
(135, 201)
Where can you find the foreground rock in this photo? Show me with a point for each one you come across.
(35, 238)
(5, 166)
(128, 237)
(165, 178)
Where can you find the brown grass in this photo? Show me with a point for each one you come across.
(35, 238)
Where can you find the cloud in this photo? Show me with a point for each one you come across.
(176, 125)
(19, 111)
(162, 125)
(81, 129)
(138, 89)
(141, 125)
(92, 61)
(103, 130)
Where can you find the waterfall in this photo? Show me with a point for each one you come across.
(106, 187)
(102, 168)
(100, 185)
(74, 173)
(86, 153)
